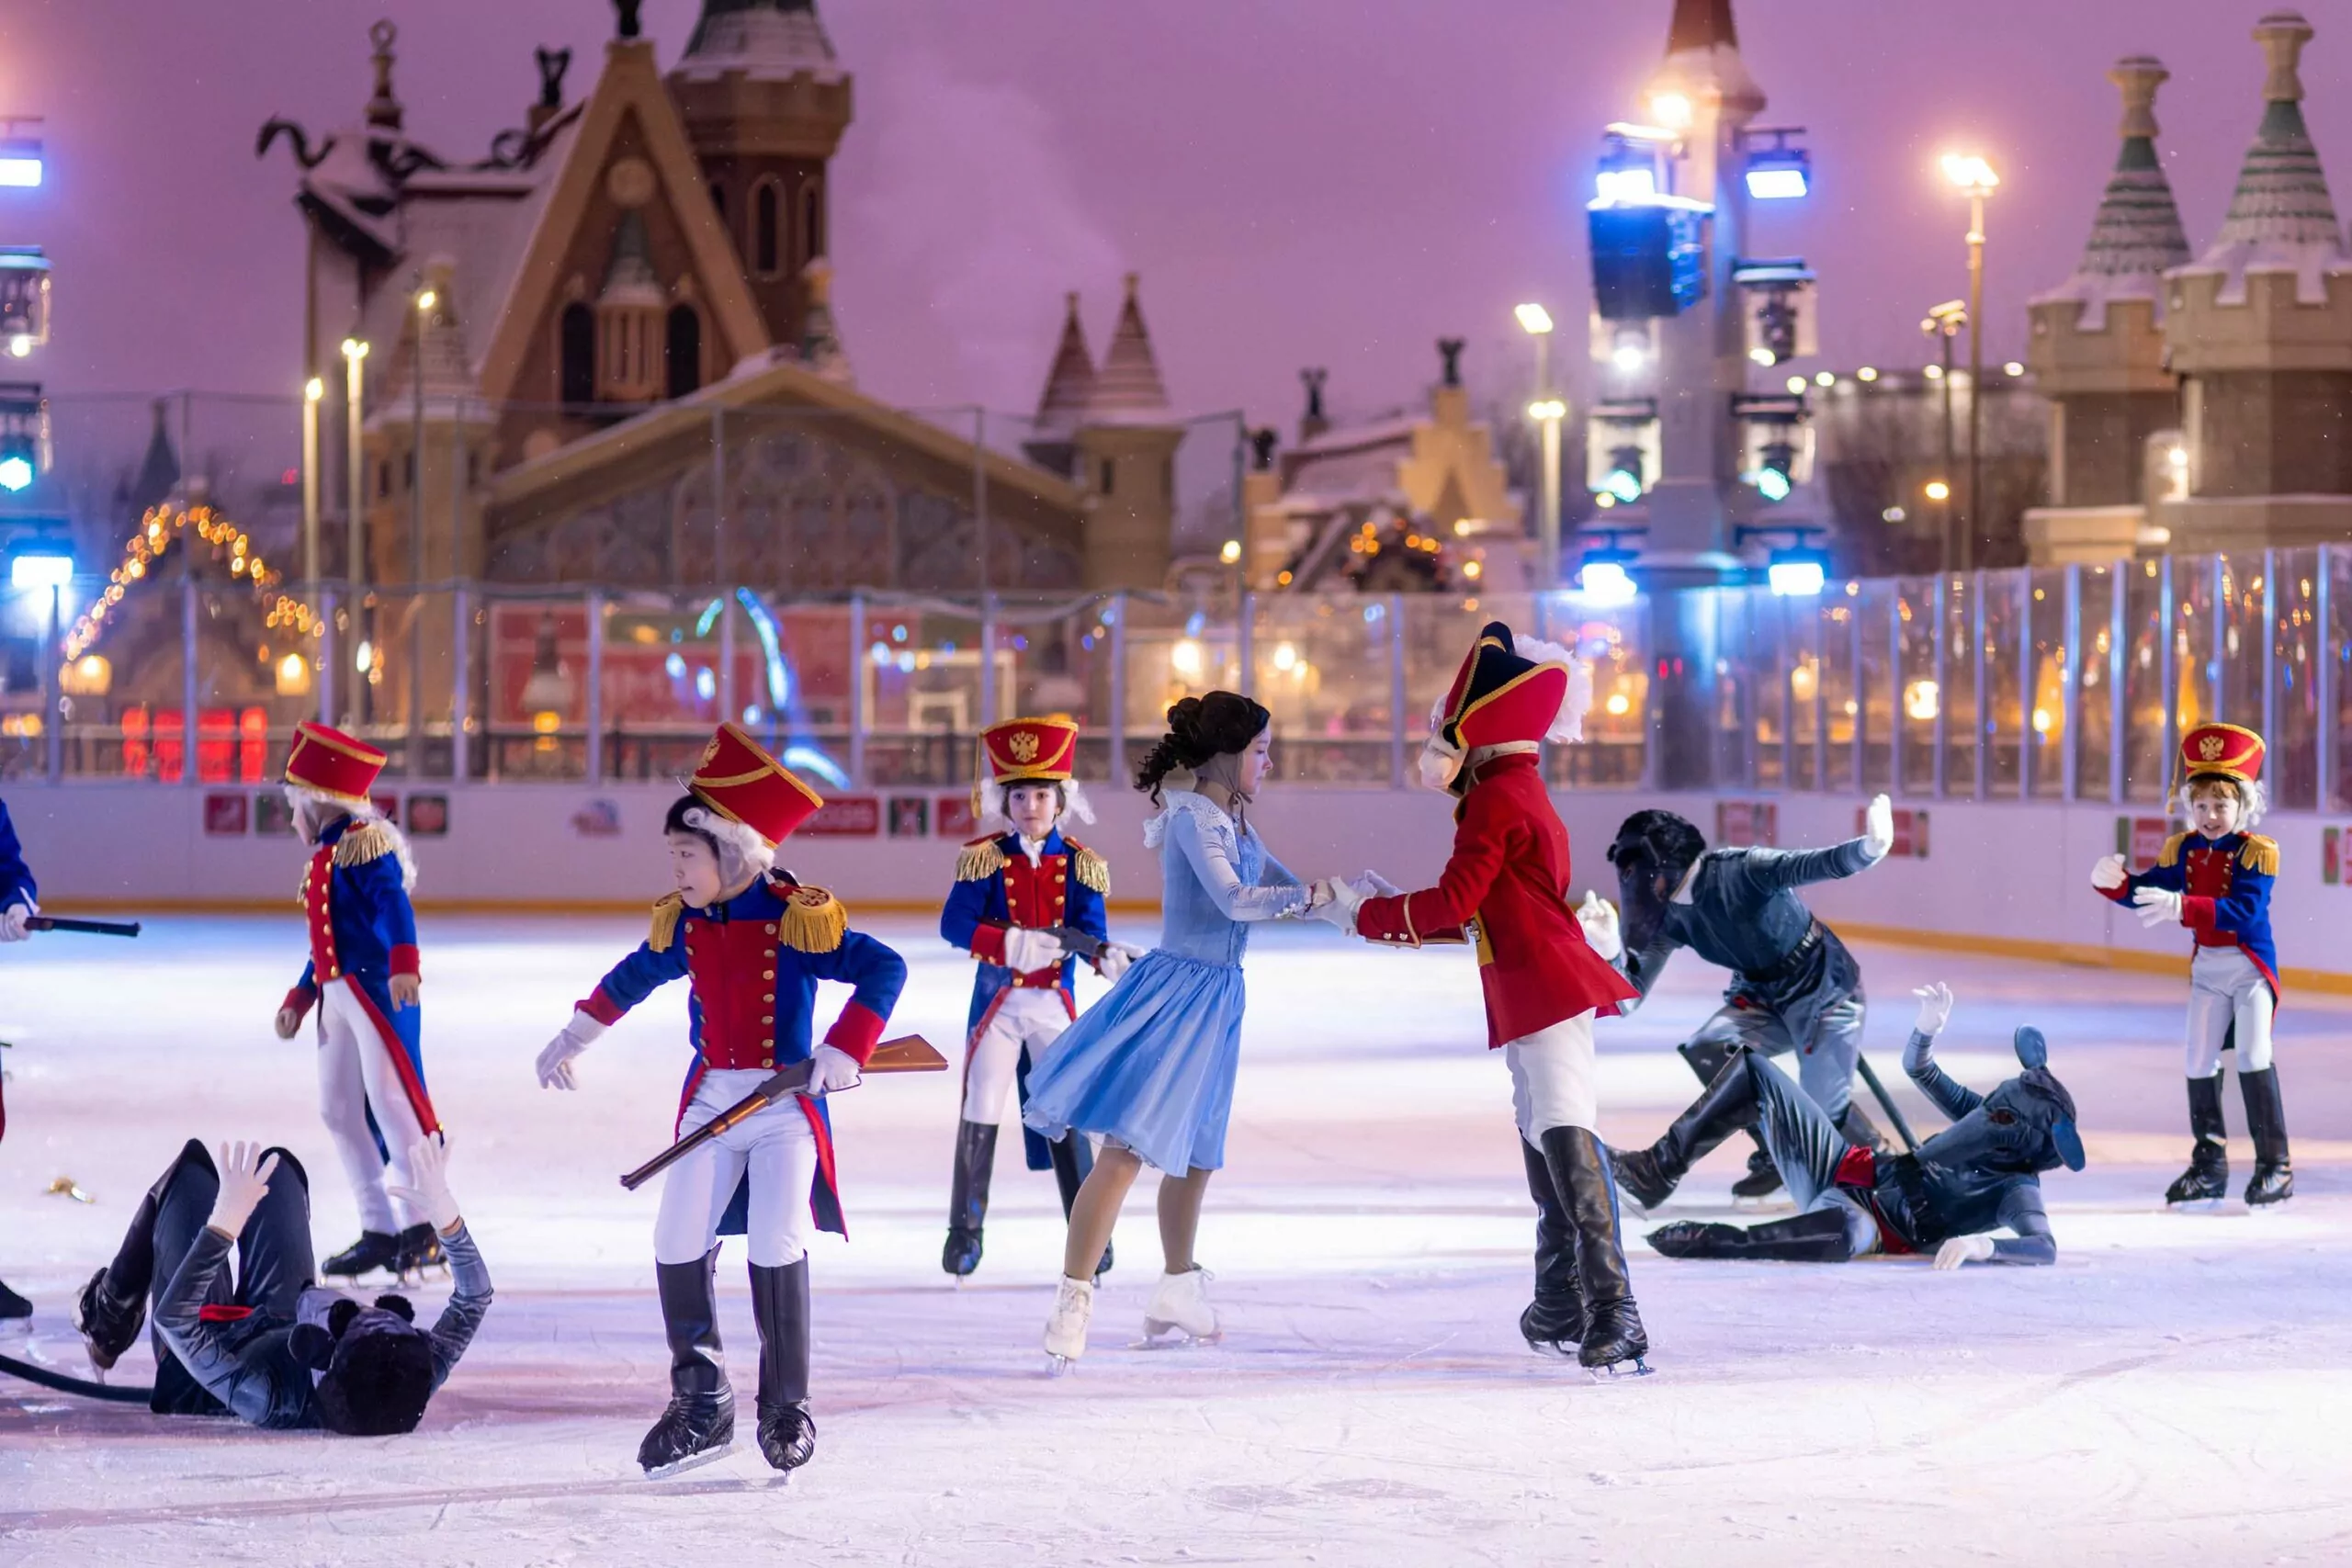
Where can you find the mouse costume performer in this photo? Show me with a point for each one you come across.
(1505, 888)
(363, 977)
(1794, 985)
(1012, 891)
(753, 953)
(259, 1340)
(1981, 1173)
(2216, 879)
(17, 905)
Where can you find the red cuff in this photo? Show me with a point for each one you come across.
(601, 1008)
(405, 959)
(2118, 895)
(2198, 913)
(987, 943)
(1395, 920)
(298, 1001)
(222, 1311)
(856, 1031)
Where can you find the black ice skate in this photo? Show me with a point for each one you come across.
(374, 1251)
(1553, 1320)
(417, 1249)
(968, 1197)
(1763, 1179)
(1612, 1325)
(109, 1326)
(699, 1424)
(1727, 1105)
(2207, 1179)
(2266, 1120)
(13, 1305)
(780, 1308)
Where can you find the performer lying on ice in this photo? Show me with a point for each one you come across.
(1012, 890)
(752, 943)
(1981, 1173)
(1506, 887)
(261, 1341)
(1794, 987)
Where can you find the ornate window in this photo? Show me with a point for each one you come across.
(812, 221)
(576, 350)
(685, 350)
(767, 223)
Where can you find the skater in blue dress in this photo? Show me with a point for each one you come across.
(1149, 1068)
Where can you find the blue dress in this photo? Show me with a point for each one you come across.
(1151, 1064)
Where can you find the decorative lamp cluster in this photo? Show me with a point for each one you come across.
(157, 530)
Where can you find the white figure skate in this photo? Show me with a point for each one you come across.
(1066, 1330)
(1179, 1304)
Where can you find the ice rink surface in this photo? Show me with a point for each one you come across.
(2175, 1391)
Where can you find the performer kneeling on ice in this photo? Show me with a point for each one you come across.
(2216, 880)
(362, 974)
(1794, 985)
(1149, 1068)
(1981, 1173)
(753, 943)
(260, 1341)
(1506, 887)
(1013, 889)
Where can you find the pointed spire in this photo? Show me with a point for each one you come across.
(1702, 24)
(764, 40)
(160, 469)
(2136, 236)
(1069, 384)
(2281, 218)
(821, 339)
(1128, 388)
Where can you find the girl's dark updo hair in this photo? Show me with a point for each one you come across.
(1198, 728)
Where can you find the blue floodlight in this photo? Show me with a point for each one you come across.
(1798, 573)
(38, 567)
(21, 162)
(16, 473)
(1778, 181)
(1606, 582)
(1625, 185)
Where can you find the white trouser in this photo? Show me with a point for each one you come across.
(356, 1073)
(1024, 1020)
(1552, 1079)
(777, 1148)
(2225, 988)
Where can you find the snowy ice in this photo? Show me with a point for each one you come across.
(2174, 1391)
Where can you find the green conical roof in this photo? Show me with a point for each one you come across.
(2281, 218)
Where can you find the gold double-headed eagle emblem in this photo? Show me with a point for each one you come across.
(1024, 747)
(2212, 745)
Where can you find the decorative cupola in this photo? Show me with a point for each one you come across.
(2260, 331)
(628, 320)
(2097, 347)
(1125, 459)
(1069, 383)
(1127, 389)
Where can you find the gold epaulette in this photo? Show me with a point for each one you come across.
(1093, 870)
(2170, 853)
(981, 858)
(2259, 853)
(369, 841)
(667, 912)
(813, 920)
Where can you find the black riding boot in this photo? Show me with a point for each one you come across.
(1818, 1236)
(700, 1421)
(1707, 1059)
(1073, 1159)
(2208, 1176)
(1859, 1130)
(1555, 1319)
(15, 1305)
(780, 1306)
(2266, 1120)
(967, 1197)
(1727, 1105)
(1580, 1170)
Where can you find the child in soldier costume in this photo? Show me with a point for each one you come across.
(2215, 879)
(16, 907)
(1506, 888)
(752, 942)
(363, 977)
(1014, 889)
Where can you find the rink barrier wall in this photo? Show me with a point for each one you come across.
(2006, 878)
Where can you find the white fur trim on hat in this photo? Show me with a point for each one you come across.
(743, 855)
(1568, 725)
(989, 797)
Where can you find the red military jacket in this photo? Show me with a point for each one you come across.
(1507, 887)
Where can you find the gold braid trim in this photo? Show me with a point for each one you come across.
(667, 912)
(2170, 853)
(369, 841)
(813, 920)
(981, 858)
(1093, 870)
(2259, 853)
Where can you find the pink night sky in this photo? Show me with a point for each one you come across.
(1328, 182)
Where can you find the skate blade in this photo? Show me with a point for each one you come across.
(1174, 1336)
(2198, 1206)
(1563, 1349)
(1615, 1371)
(1059, 1366)
(692, 1461)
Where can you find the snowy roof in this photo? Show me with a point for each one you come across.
(1069, 384)
(1127, 389)
(2136, 236)
(763, 39)
(1353, 476)
(2281, 218)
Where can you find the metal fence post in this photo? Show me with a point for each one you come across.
(1245, 646)
(326, 655)
(1782, 611)
(595, 693)
(1895, 714)
(2070, 694)
(2029, 738)
(1399, 702)
(2270, 647)
(1943, 683)
(1859, 683)
(52, 687)
(188, 671)
(860, 662)
(2118, 707)
(1820, 700)
(2323, 677)
(1118, 688)
(461, 649)
(2167, 680)
(1981, 774)
(987, 660)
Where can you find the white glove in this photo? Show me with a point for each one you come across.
(1597, 915)
(14, 925)
(244, 1179)
(1335, 903)
(2109, 873)
(555, 1062)
(1026, 952)
(831, 1069)
(1935, 1008)
(428, 1189)
(1374, 886)
(1115, 958)
(2157, 907)
(1962, 1249)
(1878, 828)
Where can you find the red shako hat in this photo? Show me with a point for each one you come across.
(2224, 748)
(1030, 750)
(332, 764)
(740, 781)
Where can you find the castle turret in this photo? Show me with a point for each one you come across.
(1070, 389)
(2260, 331)
(1127, 445)
(2097, 347)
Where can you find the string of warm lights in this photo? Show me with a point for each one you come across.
(157, 530)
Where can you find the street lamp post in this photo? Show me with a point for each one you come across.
(425, 300)
(1548, 409)
(1973, 175)
(313, 390)
(1943, 323)
(355, 462)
